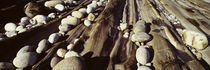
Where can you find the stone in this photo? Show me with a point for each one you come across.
(59, 7)
(25, 20)
(51, 15)
(123, 26)
(139, 27)
(19, 28)
(71, 54)
(91, 17)
(99, 3)
(140, 37)
(25, 49)
(53, 38)
(61, 52)
(54, 61)
(42, 46)
(64, 27)
(39, 19)
(93, 4)
(87, 23)
(142, 55)
(25, 59)
(10, 27)
(6, 66)
(89, 10)
(72, 63)
(195, 39)
(77, 14)
(82, 10)
(70, 21)
(52, 3)
(144, 68)
(126, 35)
(11, 33)
(22, 30)
(70, 47)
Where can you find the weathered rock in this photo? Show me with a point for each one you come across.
(59, 7)
(144, 68)
(87, 23)
(139, 27)
(71, 54)
(10, 27)
(53, 38)
(52, 3)
(72, 63)
(140, 37)
(42, 46)
(11, 33)
(25, 49)
(77, 14)
(19, 28)
(64, 27)
(70, 21)
(25, 59)
(195, 39)
(91, 17)
(6, 66)
(54, 61)
(61, 52)
(142, 55)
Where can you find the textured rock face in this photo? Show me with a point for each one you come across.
(72, 63)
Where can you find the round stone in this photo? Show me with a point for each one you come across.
(25, 49)
(10, 27)
(87, 23)
(39, 19)
(144, 68)
(99, 3)
(139, 27)
(71, 54)
(22, 30)
(53, 38)
(64, 27)
(61, 52)
(140, 37)
(19, 28)
(25, 59)
(77, 14)
(52, 3)
(6, 66)
(70, 47)
(59, 7)
(25, 20)
(82, 10)
(123, 26)
(11, 33)
(142, 55)
(70, 21)
(89, 10)
(42, 46)
(91, 17)
(51, 15)
(72, 63)
(54, 61)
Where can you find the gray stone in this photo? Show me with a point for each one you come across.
(53, 38)
(25, 59)
(54, 61)
(42, 46)
(142, 55)
(25, 49)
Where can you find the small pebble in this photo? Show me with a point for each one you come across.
(91, 17)
(54, 61)
(59, 7)
(82, 10)
(25, 59)
(70, 21)
(53, 38)
(87, 23)
(76, 40)
(42, 46)
(123, 26)
(64, 27)
(99, 3)
(70, 47)
(22, 30)
(25, 49)
(71, 54)
(77, 14)
(39, 19)
(10, 27)
(25, 20)
(126, 35)
(61, 52)
(19, 28)
(142, 55)
(52, 3)
(89, 10)
(11, 33)
(51, 15)
(140, 37)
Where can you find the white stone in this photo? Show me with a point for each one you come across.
(82, 10)
(69, 16)
(91, 17)
(70, 21)
(39, 19)
(195, 39)
(142, 55)
(22, 30)
(25, 59)
(77, 14)
(76, 40)
(61, 52)
(42, 46)
(93, 5)
(126, 35)
(10, 27)
(62, 33)
(53, 38)
(89, 10)
(123, 26)
(25, 20)
(54, 61)
(70, 47)
(29, 26)
(51, 15)
(52, 3)
(87, 23)
(144, 68)
(59, 7)
(99, 3)
(71, 54)
(11, 33)
(19, 28)
(6, 66)
(25, 49)
(140, 37)
(64, 27)
(139, 27)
